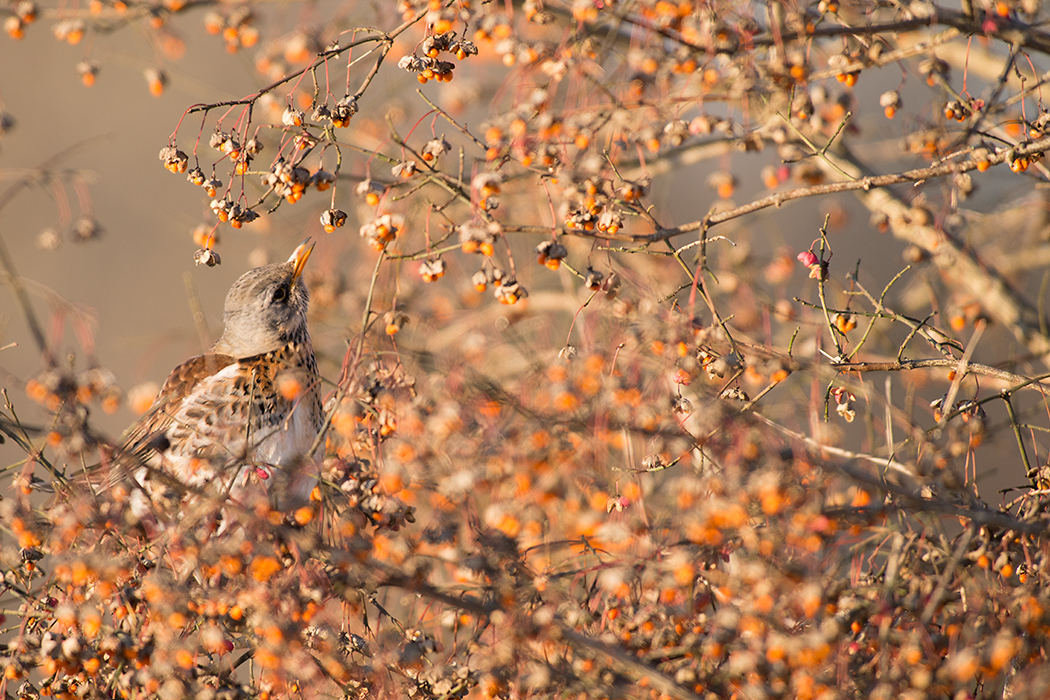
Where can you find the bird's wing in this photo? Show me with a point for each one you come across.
(149, 435)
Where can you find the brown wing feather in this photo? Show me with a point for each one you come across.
(140, 439)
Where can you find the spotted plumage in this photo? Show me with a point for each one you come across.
(249, 407)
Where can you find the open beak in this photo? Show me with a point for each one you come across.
(299, 257)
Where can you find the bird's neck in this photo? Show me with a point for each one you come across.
(227, 345)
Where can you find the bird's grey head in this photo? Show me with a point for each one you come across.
(266, 308)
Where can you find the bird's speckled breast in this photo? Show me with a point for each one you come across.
(264, 410)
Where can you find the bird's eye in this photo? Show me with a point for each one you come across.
(280, 294)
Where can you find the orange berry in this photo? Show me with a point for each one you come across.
(185, 659)
(263, 568)
(290, 387)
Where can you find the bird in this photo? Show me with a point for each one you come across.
(245, 411)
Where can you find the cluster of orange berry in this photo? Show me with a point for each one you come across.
(477, 237)
(668, 14)
(230, 146)
(228, 211)
(289, 181)
(488, 185)
(510, 292)
(235, 26)
(844, 322)
(53, 388)
(596, 208)
(339, 114)
(382, 230)
(66, 394)
(959, 110)
(174, 160)
(428, 67)
(486, 276)
(25, 12)
(432, 270)
(507, 289)
(211, 185)
(1019, 162)
(70, 31)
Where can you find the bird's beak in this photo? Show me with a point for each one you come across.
(299, 257)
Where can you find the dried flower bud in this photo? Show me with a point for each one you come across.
(963, 184)
(653, 463)
(48, 239)
(85, 228)
(734, 393)
(807, 258)
(681, 405)
(206, 256)
(844, 401)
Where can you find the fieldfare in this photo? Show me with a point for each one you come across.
(248, 409)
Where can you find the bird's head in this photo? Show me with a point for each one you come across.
(266, 308)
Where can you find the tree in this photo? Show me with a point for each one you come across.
(683, 456)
